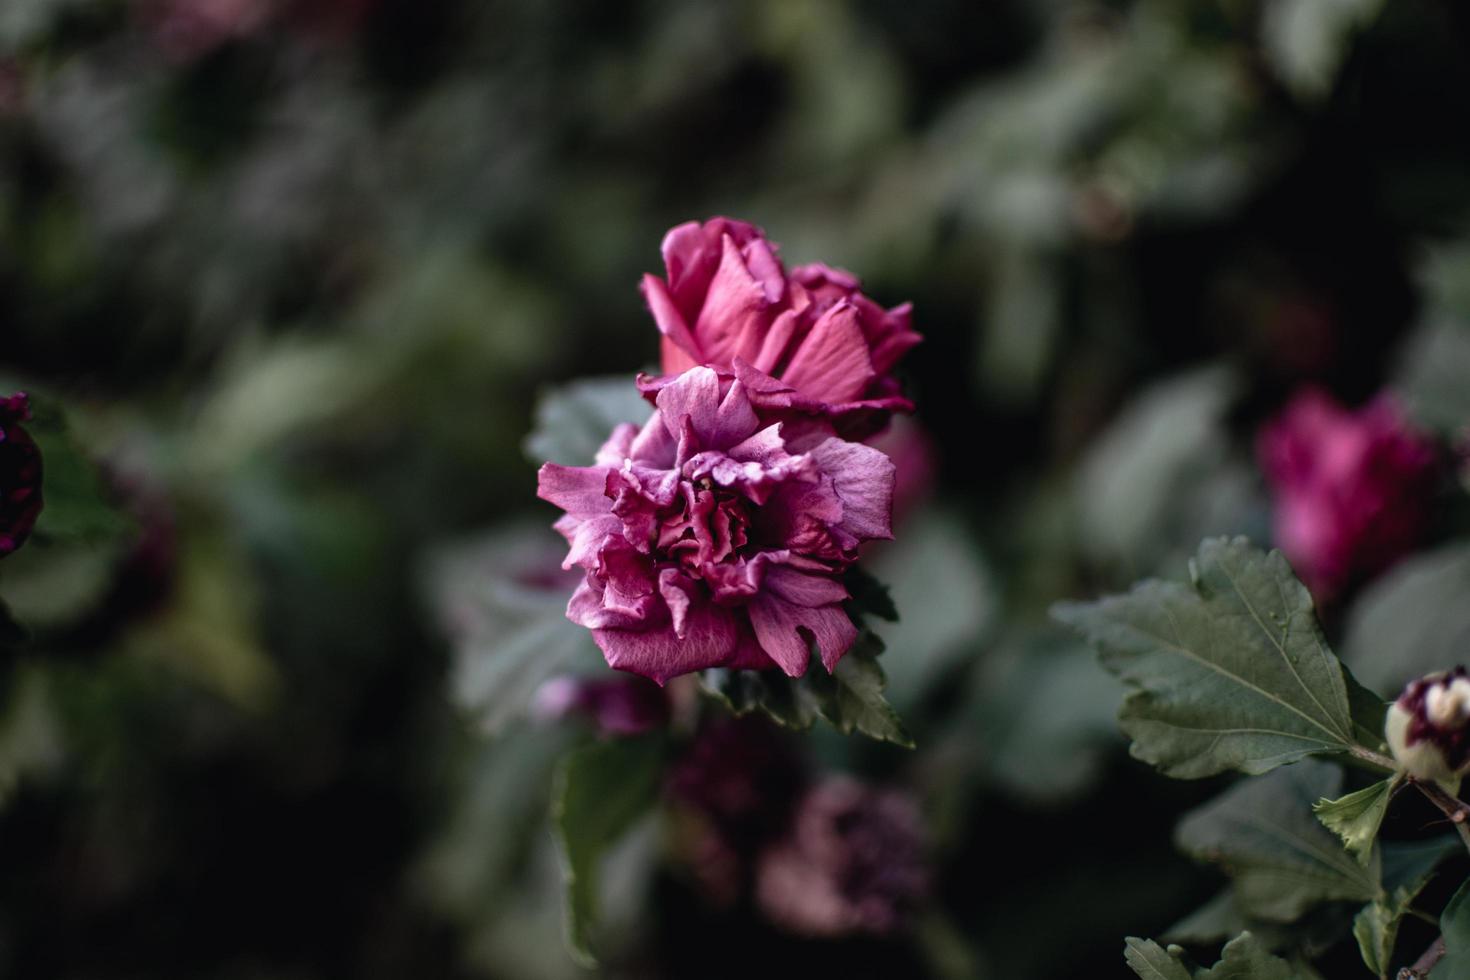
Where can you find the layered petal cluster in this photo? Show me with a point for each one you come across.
(1428, 727)
(807, 342)
(707, 541)
(853, 861)
(20, 474)
(1352, 488)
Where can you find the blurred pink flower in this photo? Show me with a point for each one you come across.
(616, 705)
(806, 343)
(1352, 489)
(187, 30)
(853, 861)
(708, 542)
(20, 474)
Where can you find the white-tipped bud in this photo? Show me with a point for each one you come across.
(1428, 727)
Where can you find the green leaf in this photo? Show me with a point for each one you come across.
(1243, 958)
(1454, 925)
(869, 596)
(600, 792)
(1356, 817)
(1152, 962)
(574, 420)
(501, 599)
(1231, 672)
(850, 698)
(1283, 862)
(1376, 928)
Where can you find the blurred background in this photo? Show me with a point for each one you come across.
(285, 280)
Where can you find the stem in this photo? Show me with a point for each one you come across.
(1375, 759)
(1457, 811)
(1425, 963)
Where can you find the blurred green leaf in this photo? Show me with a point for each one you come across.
(1162, 476)
(1431, 377)
(1356, 817)
(1038, 717)
(1411, 621)
(600, 792)
(946, 598)
(80, 507)
(1281, 860)
(574, 420)
(1231, 672)
(850, 698)
(501, 598)
(1306, 41)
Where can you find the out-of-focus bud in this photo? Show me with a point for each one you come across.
(20, 474)
(617, 705)
(1428, 727)
(852, 862)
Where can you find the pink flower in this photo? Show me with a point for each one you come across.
(805, 343)
(853, 861)
(20, 474)
(708, 542)
(1352, 489)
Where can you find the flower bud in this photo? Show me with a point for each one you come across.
(1428, 727)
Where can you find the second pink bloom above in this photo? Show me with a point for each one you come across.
(807, 342)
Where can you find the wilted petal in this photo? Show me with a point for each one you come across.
(579, 490)
(863, 479)
(779, 627)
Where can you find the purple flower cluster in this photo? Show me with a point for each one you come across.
(820, 857)
(717, 534)
(852, 861)
(20, 474)
(1352, 488)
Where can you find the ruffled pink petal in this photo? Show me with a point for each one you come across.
(578, 490)
(618, 446)
(832, 361)
(737, 309)
(862, 478)
(803, 588)
(709, 640)
(780, 627)
(717, 422)
(679, 348)
(777, 342)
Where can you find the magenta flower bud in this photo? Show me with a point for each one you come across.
(20, 474)
(617, 705)
(1428, 727)
(1352, 489)
(852, 862)
(807, 343)
(707, 541)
